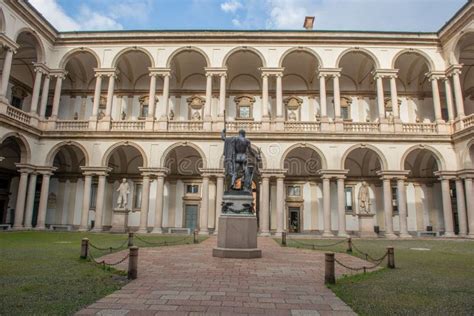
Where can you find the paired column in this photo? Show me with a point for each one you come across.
(265, 207)
(449, 98)
(265, 112)
(39, 70)
(166, 95)
(470, 204)
(43, 203)
(219, 195)
(322, 96)
(57, 94)
(204, 211)
(145, 203)
(436, 98)
(337, 96)
(388, 208)
(327, 206)
(279, 96)
(402, 208)
(455, 72)
(99, 206)
(222, 78)
(20, 199)
(30, 200)
(86, 201)
(44, 96)
(461, 205)
(110, 94)
(97, 92)
(7, 66)
(394, 96)
(152, 96)
(208, 104)
(380, 97)
(280, 204)
(160, 187)
(341, 207)
(447, 209)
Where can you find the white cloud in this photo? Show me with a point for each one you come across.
(236, 22)
(87, 19)
(289, 14)
(231, 6)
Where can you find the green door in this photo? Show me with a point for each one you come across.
(190, 216)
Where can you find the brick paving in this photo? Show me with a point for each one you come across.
(187, 280)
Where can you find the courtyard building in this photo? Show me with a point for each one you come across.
(80, 111)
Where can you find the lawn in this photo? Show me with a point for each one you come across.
(438, 281)
(41, 273)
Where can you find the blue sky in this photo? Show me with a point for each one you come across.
(380, 15)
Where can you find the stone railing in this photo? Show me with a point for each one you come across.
(127, 125)
(71, 125)
(419, 128)
(361, 127)
(185, 126)
(248, 126)
(302, 126)
(18, 115)
(468, 121)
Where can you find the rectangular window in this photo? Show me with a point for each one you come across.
(93, 196)
(395, 200)
(349, 198)
(244, 112)
(138, 196)
(294, 190)
(192, 188)
(345, 113)
(17, 102)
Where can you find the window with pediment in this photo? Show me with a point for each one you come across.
(195, 107)
(18, 96)
(389, 107)
(144, 105)
(244, 104)
(346, 103)
(293, 108)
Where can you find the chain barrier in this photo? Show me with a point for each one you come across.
(365, 268)
(367, 256)
(109, 248)
(314, 246)
(103, 263)
(165, 243)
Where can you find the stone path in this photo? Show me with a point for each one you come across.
(187, 280)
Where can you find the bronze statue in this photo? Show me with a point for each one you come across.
(237, 151)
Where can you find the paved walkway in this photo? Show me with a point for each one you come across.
(187, 280)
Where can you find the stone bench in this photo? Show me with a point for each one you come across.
(60, 227)
(179, 230)
(427, 234)
(6, 226)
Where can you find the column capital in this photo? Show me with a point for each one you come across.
(160, 71)
(466, 173)
(385, 73)
(46, 170)
(10, 44)
(109, 72)
(59, 73)
(98, 171)
(216, 71)
(213, 172)
(25, 167)
(333, 173)
(272, 71)
(41, 67)
(454, 70)
(445, 175)
(269, 173)
(435, 75)
(154, 171)
(393, 174)
(329, 72)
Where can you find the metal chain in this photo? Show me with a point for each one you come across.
(109, 248)
(103, 263)
(367, 256)
(361, 268)
(316, 245)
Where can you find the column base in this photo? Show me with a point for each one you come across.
(342, 234)
(157, 230)
(204, 232)
(83, 229)
(264, 234)
(470, 236)
(97, 230)
(327, 234)
(405, 235)
(142, 231)
(278, 234)
(22, 228)
(449, 235)
(390, 236)
(39, 228)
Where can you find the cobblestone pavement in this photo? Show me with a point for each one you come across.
(187, 280)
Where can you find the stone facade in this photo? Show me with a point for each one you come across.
(327, 109)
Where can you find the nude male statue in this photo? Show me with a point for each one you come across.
(123, 190)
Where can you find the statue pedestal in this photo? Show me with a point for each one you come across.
(366, 226)
(120, 220)
(237, 235)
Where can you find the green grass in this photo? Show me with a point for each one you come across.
(41, 272)
(435, 282)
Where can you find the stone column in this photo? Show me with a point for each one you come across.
(145, 204)
(322, 96)
(36, 91)
(222, 77)
(30, 200)
(7, 66)
(388, 208)
(447, 210)
(99, 205)
(219, 195)
(86, 201)
(337, 96)
(151, 96)
(327, 206)
(160, 186)
(20, 200)
(470, 205)
(341, 207)
(208, 104)
(436, 99)
(44, 95)
(280, 205)
(265, 210)
(43, 204)
(380, 98)
(166, 96)
(402, 208)
(97, 92)
(57, 96)
(110, 95)
(394, 97)
(265, 113)
(458, 98)
(449, 98)
(462, 219)
(204, 211)
(279, 96)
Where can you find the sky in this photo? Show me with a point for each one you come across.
(361, 15)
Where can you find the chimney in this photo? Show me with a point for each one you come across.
(308, 22)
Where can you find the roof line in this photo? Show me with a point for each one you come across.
(454, 16)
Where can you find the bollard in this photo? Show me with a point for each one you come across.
(329, 271)
(130, 240)
(84, 248)
(349, 245)
(390, 258)
(283, 239)
(133, 263)
(195, 236)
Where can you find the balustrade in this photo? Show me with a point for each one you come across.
(127, 125)
(71, 125)
(249, 126)
(361, 127)
(302, 126)
(417, 128)
(18, 115)
(185, 126)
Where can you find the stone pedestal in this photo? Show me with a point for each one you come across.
(237, 237)
(120, 220)
(366, 226)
